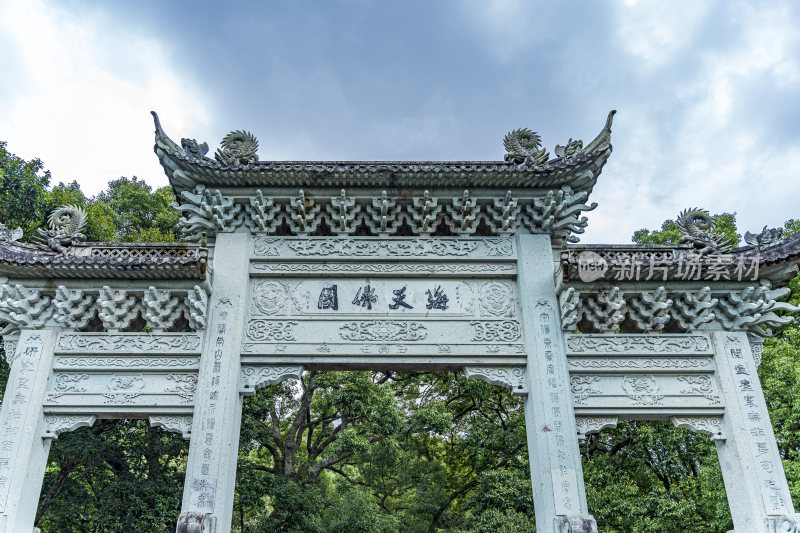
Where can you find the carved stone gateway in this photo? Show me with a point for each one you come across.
(465, 266)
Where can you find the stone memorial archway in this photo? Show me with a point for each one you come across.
(468, 266)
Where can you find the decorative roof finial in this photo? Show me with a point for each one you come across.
(8, 236)
(697, 228)
(238, 149)
(766, 238)
(525, 146)
(65, 224)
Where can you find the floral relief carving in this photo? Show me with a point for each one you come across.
(643, 390)
(706, 425)
(587, 425)
(512, 378)
(582, 389)
(176, 424)
(688, 344)
(54, 425)
(128, 342)
(497, 298)
(702, 385)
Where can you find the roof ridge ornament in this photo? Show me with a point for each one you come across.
(8, 236)
(697, 228)
(525, 146)
(238, 149)
(765, 239)
(65, 224)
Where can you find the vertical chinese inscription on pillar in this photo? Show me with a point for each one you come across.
(204, 486)
(552, 366)
(15, 407)
(753, 407)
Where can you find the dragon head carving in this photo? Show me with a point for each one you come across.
(697, 228)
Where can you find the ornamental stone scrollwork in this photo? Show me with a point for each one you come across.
(668, 344)
(786, 524)
(161, 309)
(256, 377)
(383, 330)
(405, 248)
(116, 309)
(487, 331)
(69, 383)
(705, 425)
(74, 308)
(557, 213)
(271, 330)
(54, 425)
(23, 308)
(702, 385)
(697, 228)
(643, 390)
(64, 227)
(128, 343)
(692, 309)
(196, 308)
(650, 310)
(582, 388)
(765, 239)
(640, 363)
(207, 212)
(605, 311)
(387, 268)
(9, 344)
(584, 523)
(757, 347)
(175, 424)
(129, 362)
(238, 148)
(128, 383)
(753, 310)
(586, 425)
(185, 386)
(512, 378)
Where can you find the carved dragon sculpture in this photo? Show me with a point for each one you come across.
(525, 146)
(238, 149)
(766, 238)
(65, 224)
(697, 228)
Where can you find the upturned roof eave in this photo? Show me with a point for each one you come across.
(185, 172)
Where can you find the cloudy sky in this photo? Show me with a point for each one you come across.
(707, 93)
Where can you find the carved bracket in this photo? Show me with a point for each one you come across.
(54, 425)
(587, 425)
(256, 377)
(23, 308)
(176, 424)
(512, 378)
(705, 425)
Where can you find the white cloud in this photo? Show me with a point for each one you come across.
(84, 86)
(711, 142)
(653, 31)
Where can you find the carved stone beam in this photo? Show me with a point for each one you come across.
(587, 425)
(175, 424)
(256, 377)
(512, 378)
(54, 425)
(705, 425)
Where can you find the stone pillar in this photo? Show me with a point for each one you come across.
(559, 494)
(23, 451)
(213, 450)
(758, 493)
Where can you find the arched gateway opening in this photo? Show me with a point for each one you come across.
(392, 266)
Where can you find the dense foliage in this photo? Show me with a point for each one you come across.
(376, 452)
